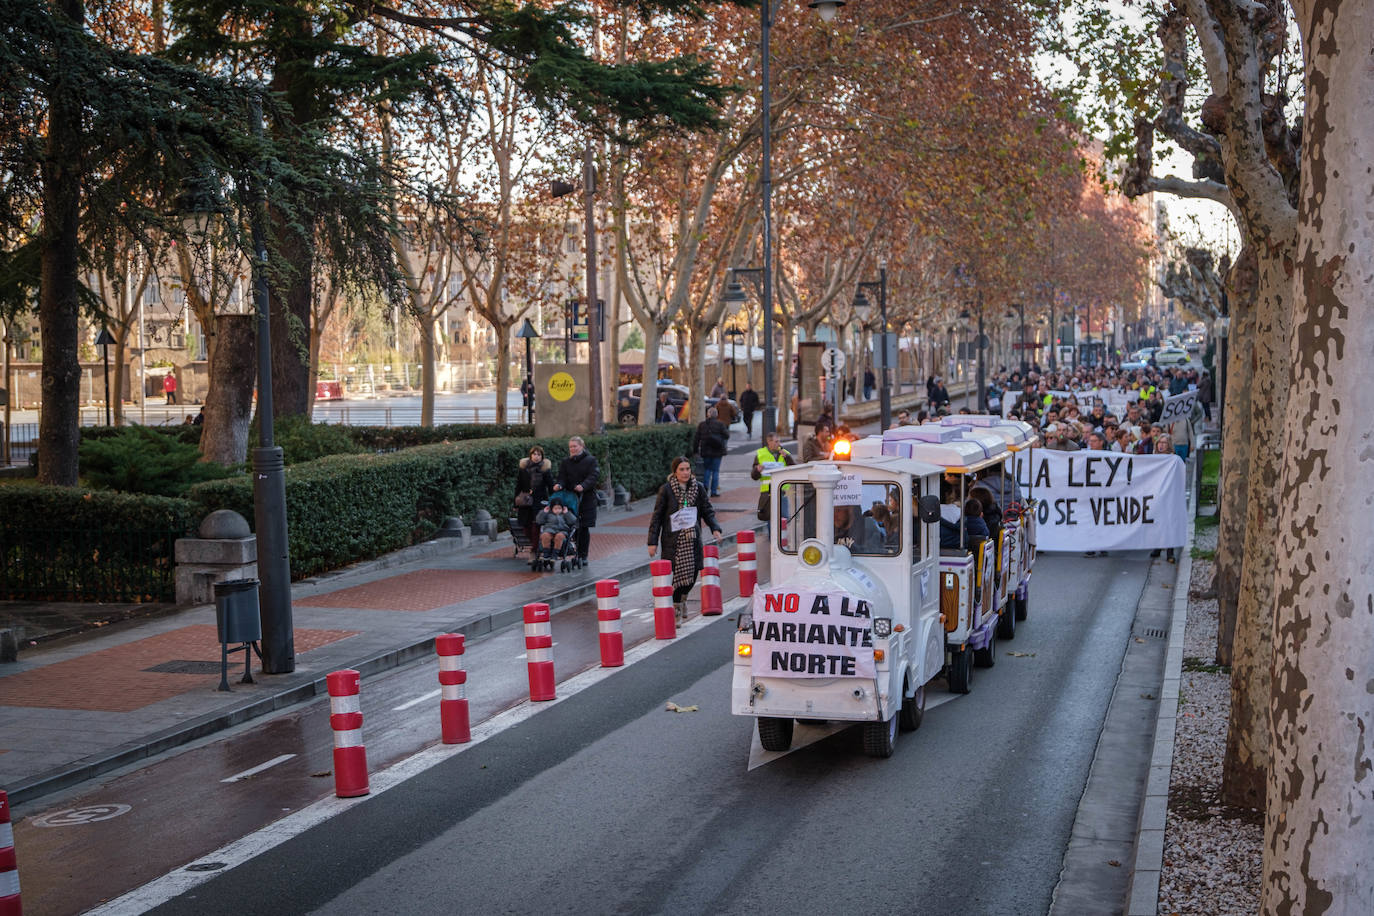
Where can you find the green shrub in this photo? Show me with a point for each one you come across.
(346, 508)
(69, 544)
(389, 438)
(139, 460)
(181, 432)
(302, 441)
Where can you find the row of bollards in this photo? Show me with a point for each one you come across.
(345, 709)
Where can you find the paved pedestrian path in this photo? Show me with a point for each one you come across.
(77, 707)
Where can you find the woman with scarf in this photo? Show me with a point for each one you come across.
(532, 487)
(682, 507)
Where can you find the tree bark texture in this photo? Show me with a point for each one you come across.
(502, 367)
(1319, 824)
(428, 369)
(1247, 740)
(59, 425)
(648, 390)
(290, 323)
(229, 399)
(1235, 450)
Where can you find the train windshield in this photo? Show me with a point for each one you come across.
(867, 516)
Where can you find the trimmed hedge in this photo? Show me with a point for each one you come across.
(68, 544)
(347, 508)
(389, 438)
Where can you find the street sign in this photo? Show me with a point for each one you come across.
(832, 360)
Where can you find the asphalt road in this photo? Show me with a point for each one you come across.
(608, 803)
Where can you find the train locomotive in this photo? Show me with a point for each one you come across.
(865, 608)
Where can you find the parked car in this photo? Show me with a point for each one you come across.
(627, 400)
(1171, 356)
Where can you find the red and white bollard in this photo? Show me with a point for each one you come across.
(608, 623)
(10, 904)
(665, 622)
(748, 564)
(539, 651)
(346, 718)
(711, 600)
(453, 707)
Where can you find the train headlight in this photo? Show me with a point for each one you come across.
(882, 627)
(811, 555)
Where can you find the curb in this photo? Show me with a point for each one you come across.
(156, 743)
(1142, 897)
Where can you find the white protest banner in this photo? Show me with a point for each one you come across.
(1116, 400)
(800, 633)
(1178, 407)
(849, 491)
(1090, 500)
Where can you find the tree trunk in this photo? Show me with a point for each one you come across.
(502, 368)
(1247, 740)
(1319, 824)
(648, 391)
(1235, 449)
(428, 370)
(312, 383)
(697, 382)
(229, 400)
(290, 324)
(118, 372)
(59, 426)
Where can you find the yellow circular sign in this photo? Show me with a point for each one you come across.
(562, 386)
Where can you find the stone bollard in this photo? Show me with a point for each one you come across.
(224, 549)
(483, 525)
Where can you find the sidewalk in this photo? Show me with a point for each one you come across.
(78, 707)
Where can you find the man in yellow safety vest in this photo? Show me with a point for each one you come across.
(770, 456)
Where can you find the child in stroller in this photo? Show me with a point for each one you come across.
(557, 533)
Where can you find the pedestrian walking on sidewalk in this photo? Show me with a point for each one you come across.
(169, 387)
(579, 474)
(683, 505)
(748, 404)
(533, 485)
(712, 442)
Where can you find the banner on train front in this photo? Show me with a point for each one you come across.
(1088, 500)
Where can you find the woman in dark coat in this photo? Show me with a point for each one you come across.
(683, 548)
(579, 473)
(536, 481)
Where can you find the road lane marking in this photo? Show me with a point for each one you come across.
(188, 877)
(76, 817)
(259, 768)
(416, 702)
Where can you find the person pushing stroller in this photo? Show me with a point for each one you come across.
(557, 526)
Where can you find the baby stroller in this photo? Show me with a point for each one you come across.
(565, 556)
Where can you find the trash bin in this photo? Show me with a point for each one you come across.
(236, 611)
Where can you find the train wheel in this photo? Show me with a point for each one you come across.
(961, 671)
(880, 737)
(913, 710)
(1023, 605)
(986, 657)
(1006, 623)
(775, 734)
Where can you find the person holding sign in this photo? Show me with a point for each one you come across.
(681, 508)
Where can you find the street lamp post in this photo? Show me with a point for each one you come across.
(862, 309)
(103, 342)
(735, 335)
(269, 469)
(528, 334)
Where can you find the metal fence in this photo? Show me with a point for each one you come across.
(61, 564)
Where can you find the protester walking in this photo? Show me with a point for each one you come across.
(169, 387)
(579, 473)
(1204, 394)
(712, 442)
(748, 405)
(682, 507)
